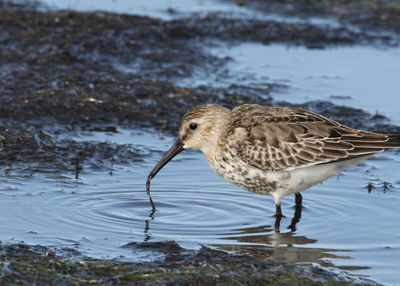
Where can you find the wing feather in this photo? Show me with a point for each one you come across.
(277, 138)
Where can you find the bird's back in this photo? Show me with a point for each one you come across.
(282, 138)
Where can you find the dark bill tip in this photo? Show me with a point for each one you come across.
(168, 156)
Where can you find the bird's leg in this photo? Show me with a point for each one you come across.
(298, 200)
(278, 211)
(277, 224)
(297, 214)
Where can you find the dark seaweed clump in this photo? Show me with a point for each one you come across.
(71, 71)
(377, 15)
(23, 265)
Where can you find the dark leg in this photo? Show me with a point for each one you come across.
(278, 211)
(297, 213)
(296, 218)
(298, 200)
(277, 224)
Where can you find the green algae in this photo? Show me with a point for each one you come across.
(23, 265)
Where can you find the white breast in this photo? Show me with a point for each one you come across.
(276, 183)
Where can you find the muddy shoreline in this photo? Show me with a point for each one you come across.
(75, 70)
(380, 16)
(39, 265)
(64, 71)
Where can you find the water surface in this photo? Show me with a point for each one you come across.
(343, 226)
(164, 9)
(359, 76)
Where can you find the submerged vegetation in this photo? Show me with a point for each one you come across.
(23, 265)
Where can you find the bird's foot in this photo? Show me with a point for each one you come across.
(277, 215)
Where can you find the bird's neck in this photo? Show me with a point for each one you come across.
(215, 135)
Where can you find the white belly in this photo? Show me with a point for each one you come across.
(278, 183)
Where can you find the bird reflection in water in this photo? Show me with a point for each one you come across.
(296, 217)
(269, 242)
(146, 231)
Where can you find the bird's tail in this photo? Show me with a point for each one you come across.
(394, 140)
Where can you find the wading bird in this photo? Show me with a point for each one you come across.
(275, 151)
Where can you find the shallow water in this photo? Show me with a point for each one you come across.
(172, 9)
(359, 76)
(164, 9)
(342, 225)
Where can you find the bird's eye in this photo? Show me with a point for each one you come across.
(193, 126)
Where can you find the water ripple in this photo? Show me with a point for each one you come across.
(99, 213)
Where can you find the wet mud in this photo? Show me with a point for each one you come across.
(65, 71)
(20, 264)
(75, 69)
(372, 14)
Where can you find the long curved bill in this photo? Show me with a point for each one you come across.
(171, 153)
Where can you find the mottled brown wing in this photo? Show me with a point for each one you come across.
(272, 138)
